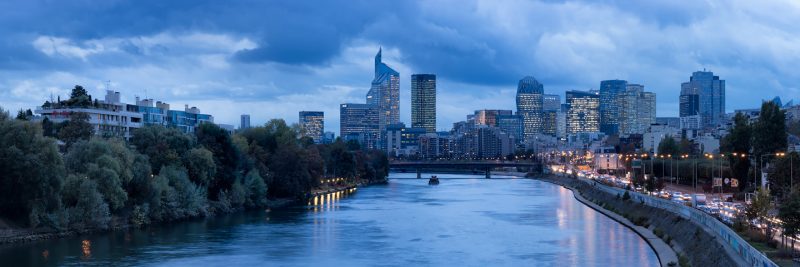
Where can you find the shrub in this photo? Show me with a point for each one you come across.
(626, 196)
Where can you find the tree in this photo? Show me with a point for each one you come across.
(668, 146)
(79, 97)
(789, 214)
(25, 115)
(256, 189)
(226, 157)
(107, 162)
(782, 174)
(200, 165)
(769, 131)
(85, 205)
(759, 208)
(163, 146)
(76, 129)
(738, 141)
(48, 128)
(31, 171)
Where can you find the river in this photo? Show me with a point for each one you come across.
(467, 222)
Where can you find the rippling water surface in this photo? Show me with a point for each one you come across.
(471, 222)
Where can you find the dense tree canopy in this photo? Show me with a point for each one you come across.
(77, 128)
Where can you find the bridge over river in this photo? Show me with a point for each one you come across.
(484, 166)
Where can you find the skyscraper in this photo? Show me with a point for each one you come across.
(488, 117)
(637, 110)
(423, 102)
(703, 95)
(511, 124)
(530, 104)
(610, 105)
(583, 113)
(385, 95)
(245, 122)
(551, 102)
(312, 124)
(359, 122)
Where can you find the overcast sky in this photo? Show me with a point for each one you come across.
(272, 59)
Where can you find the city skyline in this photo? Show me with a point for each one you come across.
(235, 69)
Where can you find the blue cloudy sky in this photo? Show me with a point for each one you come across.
(273, 58)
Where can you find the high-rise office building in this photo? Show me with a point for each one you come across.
(488, 117)
(583, 113)
(359, 122)
(610, 105)
(385, 95)
(245, 122)
(703, 95)
(312, 124)
(551, 102)
(423, 102)
(511, 124)
(550, 108)
(530, 104)
(637, 110)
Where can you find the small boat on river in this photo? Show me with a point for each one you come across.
(433, 181)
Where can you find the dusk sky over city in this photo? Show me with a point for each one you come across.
(272, 59)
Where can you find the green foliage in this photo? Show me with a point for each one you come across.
(769, 132)
(759, 208)
(77, 128)
(48, 128)
(163, 146)
(108, 162)
(626, 196)
(175, 196)
(31, 170)
(789, 214)
(24, 115)
(79, 97)
(255, 188)
(200, 165)
(782, 174)
(85, 204)
(669, 146)
(226, 156)
(738, 140)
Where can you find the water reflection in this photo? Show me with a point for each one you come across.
(516, 222)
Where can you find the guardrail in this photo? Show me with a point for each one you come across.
(750, 254)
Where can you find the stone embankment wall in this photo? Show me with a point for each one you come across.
(690, 241)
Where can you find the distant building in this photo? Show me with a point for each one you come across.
(312, 124)
(245, 121)
(511, 124)
(359, 122)
(385, 95)
(674, 122)
(583, 114)
(423, 102)
(611, 105)
(550, 122)
(652, 138)
(434, 145)
(328, 137)
(637, 110)
(530, 105)
(488, 117)
(111, 117)
(703, 95)
(228, 127)
(402, 141)
(493, 143)
(551, 102)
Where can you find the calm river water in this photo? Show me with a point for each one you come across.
(467, 222)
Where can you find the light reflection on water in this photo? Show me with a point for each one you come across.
(459, 222)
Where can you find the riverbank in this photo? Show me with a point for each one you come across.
(692, 244)
(11, 234)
